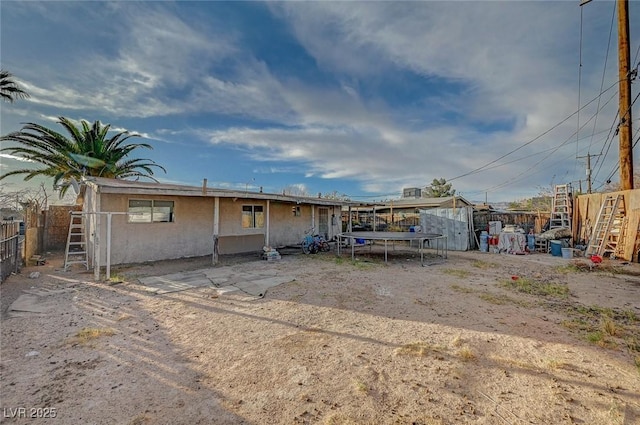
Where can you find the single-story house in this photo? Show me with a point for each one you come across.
(143, 221)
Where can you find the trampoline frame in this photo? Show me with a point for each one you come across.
(396, 236)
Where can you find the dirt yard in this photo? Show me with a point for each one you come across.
(479, 339)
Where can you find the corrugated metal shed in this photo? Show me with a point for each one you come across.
(455, 223)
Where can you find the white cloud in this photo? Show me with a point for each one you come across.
(507, 70)
(14, 157)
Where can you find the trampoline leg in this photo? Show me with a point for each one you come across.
(385, 250)
(353, 249)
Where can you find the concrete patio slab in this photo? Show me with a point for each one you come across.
(226, 279)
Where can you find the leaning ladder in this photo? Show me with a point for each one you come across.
(76, 252)
(607, 230)
(561, 208)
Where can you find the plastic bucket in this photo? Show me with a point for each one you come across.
(567, 253)
(484, 241)
(531, 242)
(556, 248)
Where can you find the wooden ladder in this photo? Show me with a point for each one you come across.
(607, 231)
(561, 207)
(619, 250)
(76, 251)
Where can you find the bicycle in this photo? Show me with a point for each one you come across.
(312, 244)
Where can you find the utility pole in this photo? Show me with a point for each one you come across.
(624, 128)
(624, 81)
(588, 156)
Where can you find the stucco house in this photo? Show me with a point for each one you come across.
(142, 221)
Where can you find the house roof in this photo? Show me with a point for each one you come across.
(119, 186)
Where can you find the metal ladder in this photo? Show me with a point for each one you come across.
(561, 208)
(607, 230)
(76, 252)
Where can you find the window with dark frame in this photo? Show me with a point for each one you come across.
(150, 211)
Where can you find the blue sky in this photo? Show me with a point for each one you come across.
(360, 98)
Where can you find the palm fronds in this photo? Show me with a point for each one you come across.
(9, 89)
(87, 152)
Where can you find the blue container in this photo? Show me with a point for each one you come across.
(484, 241)
(531, 242)
(556, 248)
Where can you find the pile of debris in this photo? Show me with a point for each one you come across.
(270, 254)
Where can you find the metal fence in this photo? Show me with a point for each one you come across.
(10, 248)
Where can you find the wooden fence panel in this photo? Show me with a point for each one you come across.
(10, 256)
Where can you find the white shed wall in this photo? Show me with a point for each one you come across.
(456, 224)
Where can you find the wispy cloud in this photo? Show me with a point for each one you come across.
(15, 158)
(386, 94)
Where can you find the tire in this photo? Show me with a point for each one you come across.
(324, 246)
(305, 247)
(313, 248)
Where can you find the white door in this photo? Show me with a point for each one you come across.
(323, 222)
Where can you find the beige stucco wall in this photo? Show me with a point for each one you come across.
(287, 229)
(191, 234)
(234, 238)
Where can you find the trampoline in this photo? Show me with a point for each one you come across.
(439, 241)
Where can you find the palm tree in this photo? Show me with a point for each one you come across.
(88, 152)
(9, 89)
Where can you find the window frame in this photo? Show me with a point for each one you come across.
(254, 213)
(153, 211)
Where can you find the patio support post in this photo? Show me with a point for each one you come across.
(266, 236)
(216, 229)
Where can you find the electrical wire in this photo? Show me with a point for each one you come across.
(611, 141)
(524, 175)
(603, 155)
(608, 180)
(606, 59)
(517, 177)
(535, 154)
(617, 167)
(579, 90)
(479, 169)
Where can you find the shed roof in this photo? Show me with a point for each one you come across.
(419, 203)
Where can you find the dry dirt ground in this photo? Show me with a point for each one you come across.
(479, 339)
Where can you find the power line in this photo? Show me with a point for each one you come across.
(579, 88)
(534, 154)
(553, 150)
(616, 132)
(526, 174)
(608, 180)
(532, 140)
(515, 179)
(606, 59)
